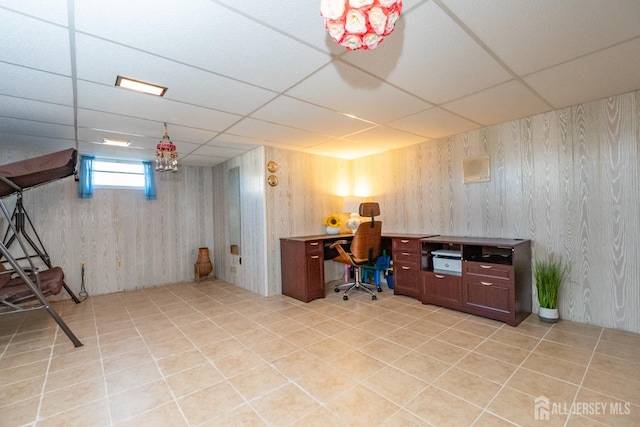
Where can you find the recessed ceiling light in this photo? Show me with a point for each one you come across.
(116, 142)
(139, 86)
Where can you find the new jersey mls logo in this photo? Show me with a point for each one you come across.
(541, 408)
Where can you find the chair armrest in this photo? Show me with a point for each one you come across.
(338, 242)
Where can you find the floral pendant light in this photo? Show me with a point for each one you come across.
(360, 24)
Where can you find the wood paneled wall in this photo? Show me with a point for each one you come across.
(250, 265)
(567, 180)
(154, 241)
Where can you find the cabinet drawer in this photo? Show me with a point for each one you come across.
(485, 298)
(314, 247)
(487, 270)
(406, 245)
(406, 258)
(442, 289)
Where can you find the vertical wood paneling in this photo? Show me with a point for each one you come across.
(156, 241)
(567, 179)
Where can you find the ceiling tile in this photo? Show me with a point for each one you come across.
(605, 73)
(432, 57)
(533, 35)
(502, 103)
(134, 127)
(434, 123)
(126, 102)
(291, 112)
(343, 149)
(31, 143)
(50, 10)
(217, 151)
(263, 131)
(28, 83)
(35, 128)
(205, 35)
(341, 87)
(33, 43)
(386, 137)
(35, 110)
(101, 62)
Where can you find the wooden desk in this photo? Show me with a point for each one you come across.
(302, 262)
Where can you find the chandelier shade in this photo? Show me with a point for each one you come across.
(360, 24)
(166, 154)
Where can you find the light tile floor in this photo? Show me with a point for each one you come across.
(212, 354)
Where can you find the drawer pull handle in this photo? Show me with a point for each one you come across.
(315, 257)
(486, 266)
(439, 276)
(405, 254)
(486, 283)
(404, 267)
(404, 241)
(314, 243)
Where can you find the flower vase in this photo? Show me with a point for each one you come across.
(333, 230)
(203, 266)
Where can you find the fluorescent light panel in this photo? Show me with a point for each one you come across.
(116, 142)
(139, 86)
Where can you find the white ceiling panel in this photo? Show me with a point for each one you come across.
(611, 71)
(386, 137)
(132, 127)
(435, 123)
(247, 73)
(216, 151)
(32, 128)
(217, 39)
(344, 149)
(110, 99)
(39, 144)
(294, 113)
(452, 64)
(101, 62)
(36, 111)
(498, 104)
(28, 83)
(265, 131)
(33, 43)
(533, 35)
(369, 98)
(49, 10)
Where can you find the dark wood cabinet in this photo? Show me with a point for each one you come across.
(302, 265)
(442, 289)
(405, 252)
(494, 280)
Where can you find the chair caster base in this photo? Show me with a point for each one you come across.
(346, 298)
(373, 297)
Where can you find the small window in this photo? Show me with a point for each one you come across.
(118, 174)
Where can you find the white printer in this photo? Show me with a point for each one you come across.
(447, 261)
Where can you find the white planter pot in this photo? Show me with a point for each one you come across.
(548, 315)
(333, 230)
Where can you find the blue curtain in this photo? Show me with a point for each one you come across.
(85, 184)
(149, 183)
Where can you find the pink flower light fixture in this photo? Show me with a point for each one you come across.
(166, 154)
(360, 24)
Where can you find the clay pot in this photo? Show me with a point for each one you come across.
(203, 266)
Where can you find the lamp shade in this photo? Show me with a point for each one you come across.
(360, 24)
(352, 204)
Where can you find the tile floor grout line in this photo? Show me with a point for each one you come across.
(584, 375)
(502, 387)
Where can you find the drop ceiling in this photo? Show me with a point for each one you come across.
(245, 73)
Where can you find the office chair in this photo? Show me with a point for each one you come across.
(365, 248)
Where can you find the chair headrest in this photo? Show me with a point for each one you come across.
(369, 209)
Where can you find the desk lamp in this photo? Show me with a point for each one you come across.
(352, 206)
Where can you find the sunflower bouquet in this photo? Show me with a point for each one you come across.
(333, 221)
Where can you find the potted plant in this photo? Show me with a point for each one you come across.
(332, 222)
(549, 275)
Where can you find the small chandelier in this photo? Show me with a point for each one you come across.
(166, 154)
(360, 24)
